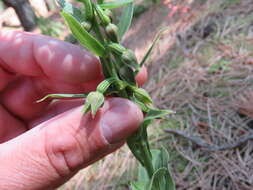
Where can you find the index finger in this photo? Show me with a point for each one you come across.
(37, 55)
(44, 65)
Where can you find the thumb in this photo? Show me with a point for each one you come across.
(51, 153)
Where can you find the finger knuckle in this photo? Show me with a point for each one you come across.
(65, 151)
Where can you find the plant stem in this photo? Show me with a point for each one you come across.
(97, 31)
(112, 70)
(147, 159)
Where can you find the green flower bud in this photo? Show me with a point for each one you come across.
(86, 25)
(105, 20)
(112, 32)
(109, 13)
(129, 57)
(94, 101)
(127, 74)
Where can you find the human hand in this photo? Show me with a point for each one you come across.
(44, 144)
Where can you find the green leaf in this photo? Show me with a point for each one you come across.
(135, 149)
(139, 141)
(100, 1)
(142, 95)
(134, 144)
(83, 36)
(104, 85)
(169, 182)
(156, 114)
(125, 20)
(158, 36)
(141, 135)
(115, 4)
(96, 100)
(143, 106)
(151, 115)
(57, 96)
(72, 10)
(158, 178)
(139, 185)
(162, 176)
(142, 173)
(161, 159)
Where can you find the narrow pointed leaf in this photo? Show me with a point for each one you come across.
(57, 96)
(142, 132)
(144, 107)
(115, 4)
(125, 20)
(138, 140)
(83, 36)
(142, 95)
(144, 135)
(72, 10)
(145, 58)
(151, 115)
(133, 143)
(157, 114)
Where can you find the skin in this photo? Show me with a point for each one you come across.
(44, 144)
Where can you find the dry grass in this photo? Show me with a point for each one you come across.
(208, 81)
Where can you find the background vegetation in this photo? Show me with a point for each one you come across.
(202, 69)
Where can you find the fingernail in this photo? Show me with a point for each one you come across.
(120, 121)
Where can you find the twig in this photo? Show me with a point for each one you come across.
(210, 147)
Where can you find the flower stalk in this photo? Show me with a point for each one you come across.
(95, 30)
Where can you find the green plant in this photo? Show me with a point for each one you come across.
(93, 28)
(223, 65)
